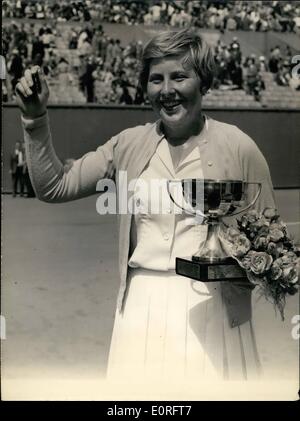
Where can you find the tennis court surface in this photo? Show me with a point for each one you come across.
(59, 287)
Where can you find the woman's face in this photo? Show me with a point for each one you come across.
(173, 89)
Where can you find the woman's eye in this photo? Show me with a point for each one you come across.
(155, 79)
(180, 78)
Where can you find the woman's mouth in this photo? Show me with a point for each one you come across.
(170, 106)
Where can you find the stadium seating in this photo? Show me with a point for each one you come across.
(272, 96)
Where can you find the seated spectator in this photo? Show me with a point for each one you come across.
(37, 48)
(115, 93)
(235, 45)
(254, 81)
(81, 38)
(274, 60)
(30, 11)
(39, 11)
(63, 70)
(73, 40)
(19, 9)
(85, 48)
(237, 76)
(231, 24)
(221, 71)
(155, 10)
(262, 66)
(245, 21)
(50, 67)
(20, 35)
(109, 51)
(125, 97)
(23, 50)
(282, 77)
(116, 49)
(148, 19)
(47, 38)
(97, 41)
(235, 52)
(31, 31)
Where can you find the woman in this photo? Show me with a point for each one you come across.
(166, 326)
(64, 76)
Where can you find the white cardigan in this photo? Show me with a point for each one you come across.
(228, 154)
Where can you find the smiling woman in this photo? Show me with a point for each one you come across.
(174, 91)
(166, 326)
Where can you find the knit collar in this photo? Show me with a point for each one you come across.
(160, 132)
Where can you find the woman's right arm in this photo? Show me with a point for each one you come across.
(52, 182)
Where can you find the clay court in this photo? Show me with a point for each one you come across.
(60, 281)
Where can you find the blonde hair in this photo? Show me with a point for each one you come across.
(185, 42)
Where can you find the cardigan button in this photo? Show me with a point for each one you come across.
(209, 163)
(166, 236)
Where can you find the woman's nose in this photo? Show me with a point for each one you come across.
(167, 88)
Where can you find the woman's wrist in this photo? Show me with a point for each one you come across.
(34, 116)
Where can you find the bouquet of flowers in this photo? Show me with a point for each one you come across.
(262, 247)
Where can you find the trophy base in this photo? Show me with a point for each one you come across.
(211, 260)
(227, 270)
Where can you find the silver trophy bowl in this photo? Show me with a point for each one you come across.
(210, 201)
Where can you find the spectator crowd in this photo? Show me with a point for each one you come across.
(281, 16)
(105, 71)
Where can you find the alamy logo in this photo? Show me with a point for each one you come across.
(155, 196)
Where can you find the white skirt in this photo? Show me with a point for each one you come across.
(173, 327)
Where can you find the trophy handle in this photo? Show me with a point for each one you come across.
(189, 211)
(252, 202)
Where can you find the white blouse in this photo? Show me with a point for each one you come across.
(161, 231)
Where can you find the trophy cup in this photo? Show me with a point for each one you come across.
(210, 201)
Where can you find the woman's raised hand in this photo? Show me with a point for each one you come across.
(32, 93)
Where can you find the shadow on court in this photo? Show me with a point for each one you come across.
(59, 287)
